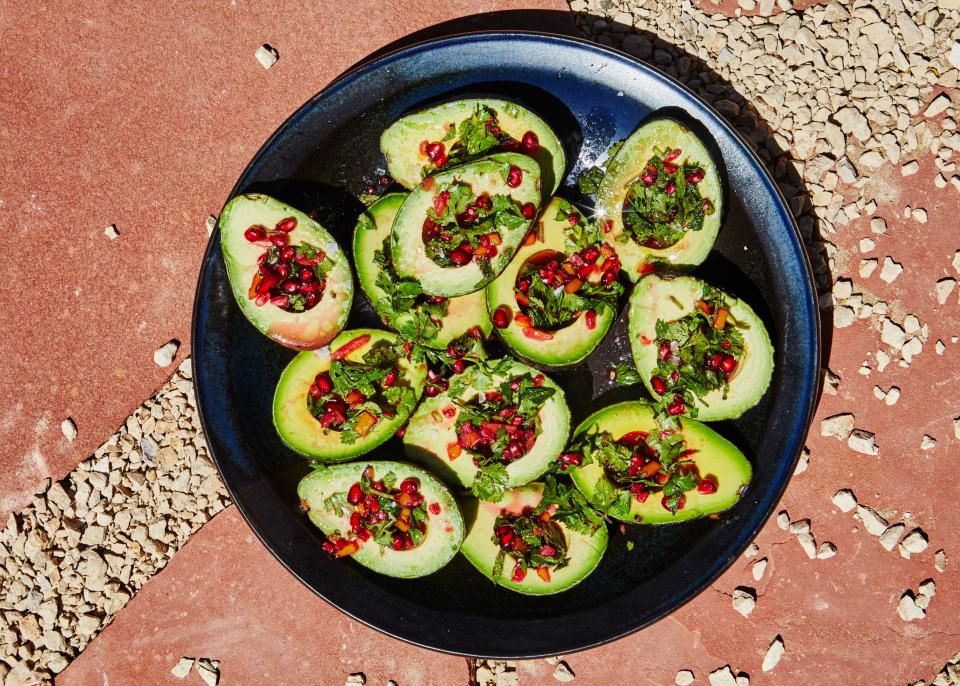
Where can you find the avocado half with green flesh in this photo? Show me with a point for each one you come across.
(269, 248)
(583, 550)
(434, 243)
(635, 193)
(433, 438)
(741, 371)
(580, 282)
(704, 472)
(372, 234)
(461, 131)
(313, 409)
(420, 533)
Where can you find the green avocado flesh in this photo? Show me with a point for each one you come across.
(305, 330)
(715, 457)
(668, 299)
(432, 428)
(371, 234)
(401, 142)
(584, 551)
(298, 427)
(486, 176)
(444, 531)
(562, 347)
(629, 165)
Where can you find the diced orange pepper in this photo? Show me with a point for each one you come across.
(543, 573)
(252, 293)
(494, 238)
(521, 298)
(453, 451)
(482, 251)
(573, 285)
(523, 321)
(354, 397)
(649, 469)
(721, 319)
(365, 423)
(704, 307)
(349, 549)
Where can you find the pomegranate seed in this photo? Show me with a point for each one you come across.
(431, 391)
(435, 152)
(470, 214)
(286, 225)
(434, 508)
(390, 378)
(401, 431)
(529, 211)
(289, 286)
(695, 177)
(669, 168)
(355, 523)
(672, 155)
(354, 494)
(279, 239)
(287, 253)
(410, 485)
(484, 202)
(255, 233)
(324, 382)
(676, 407)
(440, 201)
(674, 376)
(567, 459)
(659, 385)
(312, 299)
(530, 143)
(510, 145)
(502, 316)
(547, 550)
(591, 254)
(518, 573)
(670, 188)
(371, 190)
(707, 486)
(590, 319)
(385, 180)
(728, 364)
(398, 541)
(458, 366)
(661, 478)
(459, 257)
(280, 301)
(329, 548)
(306, 274)
(514, 177)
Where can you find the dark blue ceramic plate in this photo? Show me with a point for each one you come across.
(592, 96)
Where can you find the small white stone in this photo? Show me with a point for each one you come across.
(940, 348)
(920, 215)
(956, 256)
(944, 289)
(111, 232)
(928, 588)
(210, 223)
(759, 568)
(808, 543)
(911, 349)
(562, 672)
(890, 270)
(356, 679)
(863, 442)
(722, 677)
(69, 429)
(938, 106)
(908, 609)
(893, 395)
(940, 181)
(743, 679)
(872, 522)
(267, 55)
(826, 550)
(752, 551)
(922, 601)
(927, 442)
(207, 671)
(801, 526)
(892, 334)
(915, 541)
(879, 393)
(743, 601)
(867, 267)
(843, 289)
(163, 356)
(956, 428)
(182, 668)
(910, 168)
(839, 426)
(802, 462)
(843, 317)
(844, 499)
(774, 653)
(831, 383)
(878, 225)
(684, 678)
(783, 520)
(867, 244)
(891, 536)
(940, 561)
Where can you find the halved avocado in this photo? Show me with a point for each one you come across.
(407, 161)
(306, 330)
(563, 347)
(628, 167)
(670, 298)
(444, 523)
(585, 550)
(297, 426)
(489, 175)
(432, 428)
(715, 458)
(371, 234)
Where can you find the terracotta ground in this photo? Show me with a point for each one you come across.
(143, 118)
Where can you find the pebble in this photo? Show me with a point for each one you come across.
(774, 653)
(908, 609)
(844, 499)
(863, 442)
(182, 668)
(267, 55)
(752, 551)
(758, 569)
(843, 317)
(956, 428)
(802, 462)
(208, 670)
(210, 223)
(872, 522)
(826, 550)
(808, 543)
(944, 289)
(722, 677)
(928, 442)
(831, 382)
(893, 395)
(867, 244)
(684, 678)
(111, 232)
(928, 588)
(910, 168)
(878, 225)
(744, 600)
(937, 106)
(890, 270)
(940, 561)
(783, 520)
(915, 541)
(920, 215)
(892, 334)
(891, 536)
(563, 673)
(801, 526)
(839, 426)
(163, 356)
(940, 348)
(69, 429)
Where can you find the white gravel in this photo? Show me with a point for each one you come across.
(267, 55)
(773, 655)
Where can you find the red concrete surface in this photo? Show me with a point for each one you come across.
(140, 115)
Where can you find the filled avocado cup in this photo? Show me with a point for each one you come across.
(500, 424)
(394, 518)
(287, 273)
(458, 229)
(637, 473)
(400, 302)
(698, 350)
(488, 542)
(557, 298)
(342, 401)
(461, 131)
(661, 198)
